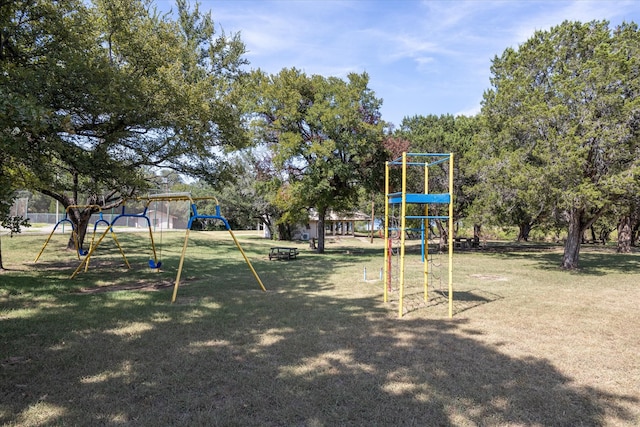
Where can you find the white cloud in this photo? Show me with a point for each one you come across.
(427, 57)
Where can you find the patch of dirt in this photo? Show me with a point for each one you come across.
(129, 287)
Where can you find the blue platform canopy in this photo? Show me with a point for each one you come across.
(418, 198)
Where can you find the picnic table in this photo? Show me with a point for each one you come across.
(466, 242)
(283, 253)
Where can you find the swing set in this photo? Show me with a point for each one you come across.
(402, 199)
(74, 233)
(155, 263)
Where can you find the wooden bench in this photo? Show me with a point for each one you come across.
(283, 253)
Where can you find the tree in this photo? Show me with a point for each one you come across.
(244, 201)
(113, 89)
(8, 172)
(327, 138)
(628, 224)
(562, 116)
(509, 192)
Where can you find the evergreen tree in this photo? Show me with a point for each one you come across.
(561, 125)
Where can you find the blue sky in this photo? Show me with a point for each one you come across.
(422, 57)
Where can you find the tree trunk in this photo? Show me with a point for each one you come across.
(634, 231)
(321, 214)
(574, 238)
(444, 237)
(266, 223)
(624, 235)
(523, 231)
(477, 235)
(477, 232)
(80, 220)
(284, 232)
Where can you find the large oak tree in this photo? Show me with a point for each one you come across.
(326, 136)
(101, 92)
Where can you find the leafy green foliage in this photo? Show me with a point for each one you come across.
(560, 127)
(14, 223)
(94, 95)
(326, 137)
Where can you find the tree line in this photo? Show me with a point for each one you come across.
(103, 101)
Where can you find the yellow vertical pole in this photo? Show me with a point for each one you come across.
(403, 224)
(426, 243)
(450, 235)
(385, 283)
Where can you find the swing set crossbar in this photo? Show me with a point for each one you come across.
(442, 157)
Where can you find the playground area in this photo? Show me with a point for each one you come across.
(143, 217)
(528, 344)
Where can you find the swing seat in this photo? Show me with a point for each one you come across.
(152, 264)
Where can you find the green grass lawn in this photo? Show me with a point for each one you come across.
(528, 345)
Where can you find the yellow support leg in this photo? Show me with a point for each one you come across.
(247, 260)
(184, 251)
(386, 283)
(45, 245)
(119, 248)
(426, 235)
(403, 224)
(153, 246)
(450, 235)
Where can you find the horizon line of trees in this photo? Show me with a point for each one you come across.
(103, 101)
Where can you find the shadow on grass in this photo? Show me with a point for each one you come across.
(462, 300)
(595, 261)
(286, 357)
(228, 354)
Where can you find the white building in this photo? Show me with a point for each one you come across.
(335, 225)
(158, 219)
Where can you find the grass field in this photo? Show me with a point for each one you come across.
(529, 345)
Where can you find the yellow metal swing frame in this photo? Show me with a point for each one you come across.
(174, 197)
